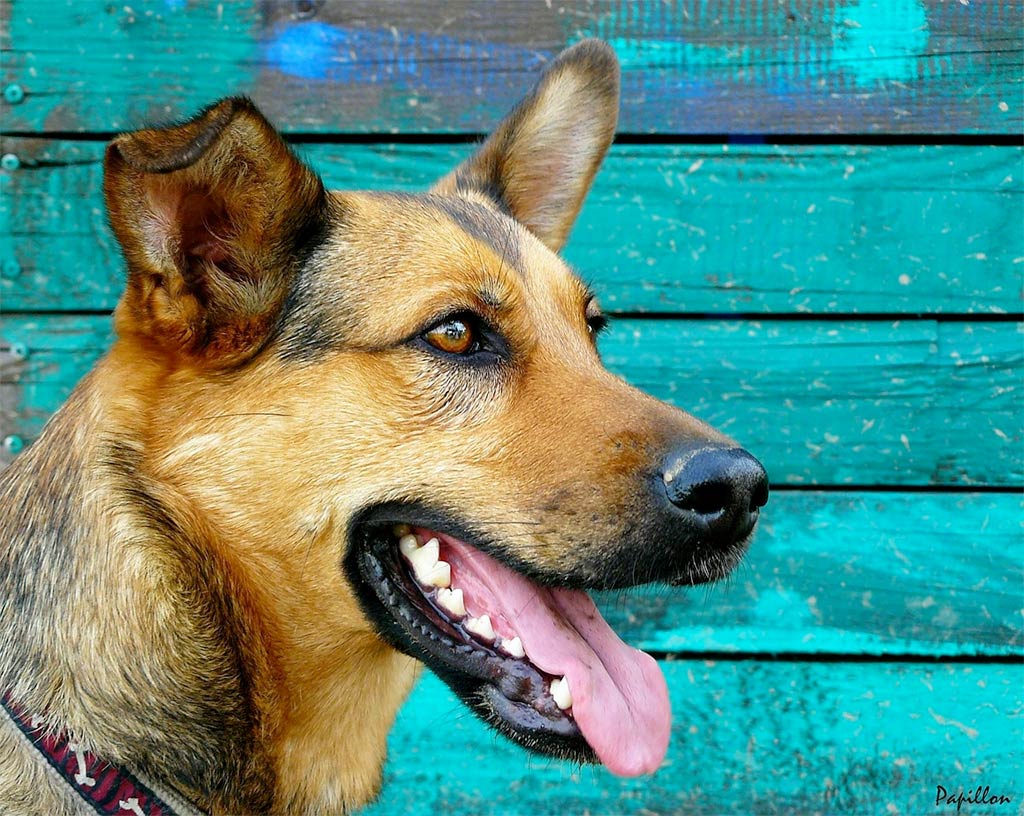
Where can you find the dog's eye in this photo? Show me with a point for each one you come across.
(453, 336)
(596, 323)
(594, 317)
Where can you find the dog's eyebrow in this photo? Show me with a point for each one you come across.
(586, 290)
(492, 299)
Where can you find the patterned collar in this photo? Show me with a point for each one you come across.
(109, 790)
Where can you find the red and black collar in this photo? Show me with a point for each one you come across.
(108, 789)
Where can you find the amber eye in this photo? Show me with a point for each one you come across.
(453, 336)
(595, 319)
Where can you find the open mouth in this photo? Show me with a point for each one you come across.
(538, 663)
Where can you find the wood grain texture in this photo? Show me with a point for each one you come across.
(698, 228)
(748, 738)
(817, 66)
(853, 573)
(911, 402)
(908, 403)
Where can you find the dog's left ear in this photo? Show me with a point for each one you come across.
(212, 216)
(541, 160)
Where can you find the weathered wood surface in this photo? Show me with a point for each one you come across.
(668, 228)
(853, 573)
(748, 738)
(817, 66)
(908, 403)
(912, 402)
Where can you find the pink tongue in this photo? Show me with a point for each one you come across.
(619, 696)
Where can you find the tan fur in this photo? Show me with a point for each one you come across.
(207, 470)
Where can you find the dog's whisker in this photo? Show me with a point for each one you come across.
(305, 559)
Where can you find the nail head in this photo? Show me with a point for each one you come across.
(14, 93)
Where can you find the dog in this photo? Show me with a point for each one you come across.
(342, 435)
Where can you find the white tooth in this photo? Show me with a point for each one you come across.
(560, 691)
(423, 560)
(440, 575)
(401, 530)
(451, 600)
(481, 627)
(408, 544)
(513, 647)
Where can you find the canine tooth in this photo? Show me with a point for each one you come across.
(451, 600)
(513, 647)
(481, 627)
(408, 544)
(560, 691)
(401, 530)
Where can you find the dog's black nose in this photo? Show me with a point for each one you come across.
(719, 490)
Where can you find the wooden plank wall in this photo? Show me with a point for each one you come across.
(809, 233)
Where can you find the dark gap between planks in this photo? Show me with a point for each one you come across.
(895, 488)
(794, 139)
(759, 317)
(837, 657)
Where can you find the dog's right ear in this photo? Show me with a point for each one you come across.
(541, 160)
(212, 216)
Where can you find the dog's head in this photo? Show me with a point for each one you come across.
(392, 410)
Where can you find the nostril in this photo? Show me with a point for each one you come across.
(707, 499)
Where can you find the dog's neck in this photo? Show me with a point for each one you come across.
(127, 622)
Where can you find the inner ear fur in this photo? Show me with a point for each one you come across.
(541, 160)
(213, 216)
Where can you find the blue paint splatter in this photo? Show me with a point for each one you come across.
(320, 51)
(174, 5)
(879, 42)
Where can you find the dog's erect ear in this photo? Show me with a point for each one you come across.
(212, 216)
(542, 158)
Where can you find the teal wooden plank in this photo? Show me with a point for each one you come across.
(41, 361)
(912, 402)
(908, 403)
(820, 66)
(698, 228)
(853, 573)
(748, 738)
